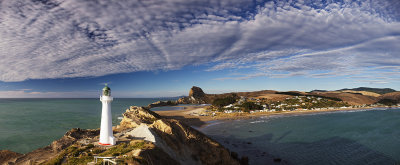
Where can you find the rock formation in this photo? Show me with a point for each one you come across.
(196, 93)
(185, 144)
(162, 103)
(44, 154)
(196, 96)
(6, 155)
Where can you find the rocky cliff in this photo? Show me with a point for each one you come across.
(185, 144)
(196, 96)
(143, 138)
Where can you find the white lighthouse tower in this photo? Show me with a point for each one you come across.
(106, 133)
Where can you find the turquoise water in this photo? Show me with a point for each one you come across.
(27, 124)
(362, 137)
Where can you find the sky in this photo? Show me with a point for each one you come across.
(161, 48)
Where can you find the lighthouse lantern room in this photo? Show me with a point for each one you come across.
(106, 133)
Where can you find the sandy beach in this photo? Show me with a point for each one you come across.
(191, 114)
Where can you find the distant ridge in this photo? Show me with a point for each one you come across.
(317, 90)
(375, 90)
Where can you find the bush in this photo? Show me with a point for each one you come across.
(220, 102)
(247, 106)
(89, 146)
(97, 150)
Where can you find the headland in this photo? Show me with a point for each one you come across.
(241, 105)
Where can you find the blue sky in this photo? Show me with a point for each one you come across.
(154, 48)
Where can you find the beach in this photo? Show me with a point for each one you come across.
(190, 115)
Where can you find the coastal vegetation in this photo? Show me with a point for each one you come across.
(83, 154)
(299, 102)
(220, 102)
(299, 94)
(247, 106)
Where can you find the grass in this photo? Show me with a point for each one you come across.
(122, 148)
(60, 157)
(80, 160)
(76, 154)
(73, 154)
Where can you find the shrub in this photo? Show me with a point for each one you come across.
(247, 106)
(220, 102)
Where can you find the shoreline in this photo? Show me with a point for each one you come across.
(203, 121)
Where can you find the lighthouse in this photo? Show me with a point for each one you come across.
(106, 133)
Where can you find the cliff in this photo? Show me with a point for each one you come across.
(196, 96)
(143, 138)
(185, 144)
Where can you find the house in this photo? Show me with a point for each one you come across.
(228, 111)
(228, 106)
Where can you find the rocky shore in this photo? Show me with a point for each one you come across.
(143, 138)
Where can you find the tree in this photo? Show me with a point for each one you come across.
(220, 102)
(247, 106)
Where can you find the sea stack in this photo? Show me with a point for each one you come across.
(106, 133)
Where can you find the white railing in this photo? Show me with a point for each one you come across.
(107, 160)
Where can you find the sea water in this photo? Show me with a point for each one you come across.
(357, 137)
(27, 124)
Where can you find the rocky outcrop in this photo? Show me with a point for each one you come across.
(73, 136)
(44, 154)
(196, 96)
(134, 116)
(189, 145)
(6, 155)
(183, 143)
(162, 103)
(196, 93)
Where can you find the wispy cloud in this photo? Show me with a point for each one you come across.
(60, 39)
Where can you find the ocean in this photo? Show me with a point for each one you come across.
(356, 137)
(27, 124)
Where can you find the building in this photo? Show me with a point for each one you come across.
(106, 133)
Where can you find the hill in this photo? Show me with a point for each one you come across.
(366, 93)
(390, 98)
(375, 90)
(355, 96)
(351, 98)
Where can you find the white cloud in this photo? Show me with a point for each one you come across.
(60, 39)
